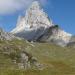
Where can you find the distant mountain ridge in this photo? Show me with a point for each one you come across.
(7, 36)
(36, 26)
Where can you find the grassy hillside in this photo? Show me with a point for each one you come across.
(58, 60)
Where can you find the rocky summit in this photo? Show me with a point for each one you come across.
(36, 25)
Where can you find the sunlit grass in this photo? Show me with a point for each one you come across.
(58, 60)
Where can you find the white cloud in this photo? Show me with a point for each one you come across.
(11, 6)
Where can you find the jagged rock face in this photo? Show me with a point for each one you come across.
(34, 18)
(55, 35)
(6, 36)
(36, 26)
(72, 42)
(25, 61)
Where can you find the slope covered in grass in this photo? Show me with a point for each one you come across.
(57, 60)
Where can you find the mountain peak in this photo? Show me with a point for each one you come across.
(36, 24)
(34, 18)
(35, 4)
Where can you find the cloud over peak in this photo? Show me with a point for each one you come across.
(11, 6)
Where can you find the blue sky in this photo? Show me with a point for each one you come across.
(62, 12)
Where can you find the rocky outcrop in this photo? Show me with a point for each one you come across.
(6, 36)
(55, 35)
(18, 54)
(25, 61)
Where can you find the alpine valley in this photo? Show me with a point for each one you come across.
(36, 46)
